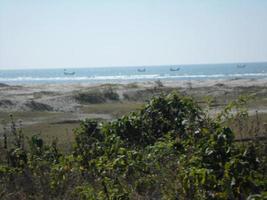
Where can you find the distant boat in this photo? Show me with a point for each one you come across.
(141, 70)
(68, 73)
(241, 66)
(174, 69)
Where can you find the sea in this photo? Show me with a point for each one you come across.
(135, 73)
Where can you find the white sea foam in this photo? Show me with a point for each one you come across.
(127, 77)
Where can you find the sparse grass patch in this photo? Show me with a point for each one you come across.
(30, 115)
(132, 85)
(114, 109)
(40, 94)
(49, 132)
(145, 94)
(110, 85)
(255, 124)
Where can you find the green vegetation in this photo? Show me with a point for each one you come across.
(97, 96)
(51, 125)
(169, 149)
(143, 95)
(115, 109)
(33, 105)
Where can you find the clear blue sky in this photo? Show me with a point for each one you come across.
(87, 33)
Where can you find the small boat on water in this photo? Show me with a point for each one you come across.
(174, 69)
(68, 73)
(141, 70)
(241, 66)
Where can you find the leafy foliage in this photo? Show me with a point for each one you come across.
(170, 149)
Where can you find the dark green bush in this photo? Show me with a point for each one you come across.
(90, 97)
(97, 96)
(110, 94)
(170, 149)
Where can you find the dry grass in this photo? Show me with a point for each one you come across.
(116, 109)
(60, 125)
(254, 125)
(63, 133)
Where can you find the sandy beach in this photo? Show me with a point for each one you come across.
(61, 97)
(56, 109)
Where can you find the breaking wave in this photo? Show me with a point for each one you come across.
(127, 77)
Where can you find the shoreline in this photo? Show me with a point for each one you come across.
(194, 82)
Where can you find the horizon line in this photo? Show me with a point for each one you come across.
(120, 66)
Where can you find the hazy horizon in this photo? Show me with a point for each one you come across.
(134, 66)
(84, 34)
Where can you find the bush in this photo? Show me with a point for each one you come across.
(90, 97)
(110, 94)
(37, 106)
(170, 149)
(97, 96)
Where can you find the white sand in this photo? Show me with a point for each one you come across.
(60, 96)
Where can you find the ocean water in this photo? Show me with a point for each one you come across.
(131, 74)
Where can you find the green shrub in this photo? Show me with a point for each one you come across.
(90, 97)
(170, 149)
(110, 94)
(97, 96)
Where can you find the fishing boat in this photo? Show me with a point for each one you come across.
(141, 70)
(174, 69)
(68, 73)
(241, 66)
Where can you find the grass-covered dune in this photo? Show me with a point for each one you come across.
(169, 149)
(53, 110)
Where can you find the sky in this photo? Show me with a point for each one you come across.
(87, 33)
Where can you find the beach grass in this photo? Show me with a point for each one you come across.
(115, 109)
(60, 123)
